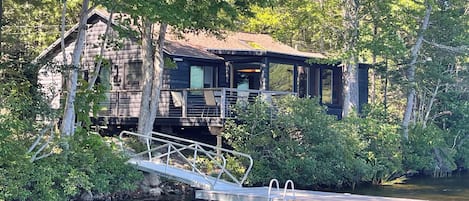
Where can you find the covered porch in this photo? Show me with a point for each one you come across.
(184, 107)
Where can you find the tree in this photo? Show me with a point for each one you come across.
(351, 10)
(187, 16)
(34, 24)
(68, 120)
(411, 69)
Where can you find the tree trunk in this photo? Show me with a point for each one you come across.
(101, 53)
(1, 26)
(430, 104)
(67, 127)
(148, 73)
(153, 76)
(62, 32)
(158, 66)
(411, 72)
(351, 23)
(373, 70)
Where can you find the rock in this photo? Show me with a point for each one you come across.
(155, 192)
(151, 180)
(86, 196)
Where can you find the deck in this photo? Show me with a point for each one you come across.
(181, 107)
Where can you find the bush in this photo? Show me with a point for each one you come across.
(426, 151)
(296, 140)
(380, 142)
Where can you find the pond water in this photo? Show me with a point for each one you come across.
(454, 188)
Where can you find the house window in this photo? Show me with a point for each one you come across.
(331, 87)
(327, 86)
(202, 77)
(303, 82)
(280, 77)
(133, 75)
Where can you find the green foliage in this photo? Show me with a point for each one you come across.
(426, 151)
(30, 26)
(186, 16)
(297, 133)
(89, 165)
(297, 141)
(381, 134)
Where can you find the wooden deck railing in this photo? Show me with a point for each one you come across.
(182, 103)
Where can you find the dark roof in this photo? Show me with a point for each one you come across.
(205, 46)
(241, 42)
(178, 49)
(173, 48)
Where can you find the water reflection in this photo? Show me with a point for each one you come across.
(184, 197)
(455, 188)
(451, 188)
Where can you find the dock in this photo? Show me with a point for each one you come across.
(261, 194)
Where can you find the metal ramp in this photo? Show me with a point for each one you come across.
(219, 172)
(197, 164)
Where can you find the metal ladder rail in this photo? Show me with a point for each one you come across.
(292, 190)
(269, 194)
(284, 196)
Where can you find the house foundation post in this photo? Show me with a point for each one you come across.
(217, 132)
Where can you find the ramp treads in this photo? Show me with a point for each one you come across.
(191, 178)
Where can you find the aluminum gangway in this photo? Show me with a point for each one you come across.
(195, 163)
(219, 173)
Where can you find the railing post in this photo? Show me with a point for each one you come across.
(223, 103)
(195, 157)
(167, 156)
(117, 103)
(149, 148)
(184, 103)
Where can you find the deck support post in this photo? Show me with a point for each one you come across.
(264, 74)
(184, 104)
(219, 144)
(217, 132)
(222, 103)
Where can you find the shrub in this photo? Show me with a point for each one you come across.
(296, 140)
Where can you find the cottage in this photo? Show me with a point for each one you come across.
(204, 76)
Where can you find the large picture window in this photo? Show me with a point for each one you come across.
(202, 77)
(331, 86)
(327, 86)
(280, 77)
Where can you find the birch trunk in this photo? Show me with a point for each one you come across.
(147, 66)
(62, 32)
(430, 104)
(101, 53)
(351, 23)
(158, 66)
(1, 27)
(67, 127)
(153, 76)
(411, 72)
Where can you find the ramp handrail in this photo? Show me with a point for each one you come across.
(175, 145)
